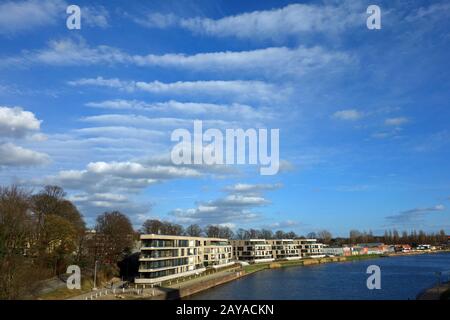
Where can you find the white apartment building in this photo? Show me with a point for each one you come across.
(256, 250)
(309, 248)
(165, 257)
(284, 249)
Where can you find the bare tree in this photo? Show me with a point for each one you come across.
(194, 230)
(325, 236)
(114, 236)
(212, 231)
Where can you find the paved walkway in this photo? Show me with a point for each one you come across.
(156, 293)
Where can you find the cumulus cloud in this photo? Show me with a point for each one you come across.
(348, 115)
(414, 215)
(15, 156)
(237, 205)
(292, 20)
(96, 203)
(19, 16)
(17, 123)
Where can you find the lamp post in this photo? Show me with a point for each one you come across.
(95, 275)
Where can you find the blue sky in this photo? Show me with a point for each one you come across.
(363, 114)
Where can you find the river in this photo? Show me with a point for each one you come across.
(402, 277)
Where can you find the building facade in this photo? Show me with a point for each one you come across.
(165, 257)
(309, 248)
(284, 249)
(256, 250)
(333, 251)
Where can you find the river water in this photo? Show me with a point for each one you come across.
(402, 278)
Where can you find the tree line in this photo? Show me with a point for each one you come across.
(42, 233)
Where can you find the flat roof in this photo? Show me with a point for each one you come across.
(169, 237)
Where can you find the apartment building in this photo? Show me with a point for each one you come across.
(217, 253)
(256, 250)
(309, 248)
(165, 257)
(284, 249)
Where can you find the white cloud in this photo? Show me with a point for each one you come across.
(239, 90)
(270, 62)
(396, 121)
(252, 188)
(27, 15)
(95, 16)
(17, 123)
(15, 156)
(348, 114)
(19, 16)
(206, 110)
(292, 20)
(237, 205)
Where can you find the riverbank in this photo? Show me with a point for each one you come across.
(186, 287)
(438, 292)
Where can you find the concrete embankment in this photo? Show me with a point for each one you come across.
(202, 285)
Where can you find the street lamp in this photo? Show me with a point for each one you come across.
(95, 275)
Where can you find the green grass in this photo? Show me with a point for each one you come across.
(363, 257)
(292, 263)
(256, 267)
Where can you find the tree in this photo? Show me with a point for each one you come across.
(194, 230)
(311, 235)
(225, 232)
(325, 236)
(212, 231)
(242, 234)
(279, 234)
(355, 236)
(291, 235)
(60, 238)
(114, 237)
(50, 201)
(266, 234)
(18, 276)
(173, 229)
(152, 226)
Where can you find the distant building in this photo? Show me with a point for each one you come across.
(333, 251)
(403, 248)
(374, 247)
